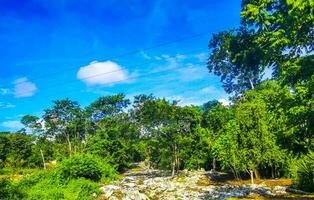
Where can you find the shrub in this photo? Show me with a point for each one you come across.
(305, 173)
(81, 166)
(72, 179)
(50, 185)
(50, 176)
(86, 166)
(109, 173)
(74, 189)
(45, 191)
(81, 189)
(8, 190)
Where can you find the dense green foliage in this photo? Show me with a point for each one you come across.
(302, 170)
(73, 178)
(273, 122)
(267, 130)
(85, 166)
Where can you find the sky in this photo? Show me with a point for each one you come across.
(81, 49)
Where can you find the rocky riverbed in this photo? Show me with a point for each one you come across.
(144, 184)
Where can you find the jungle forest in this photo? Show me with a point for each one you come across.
(266, 132)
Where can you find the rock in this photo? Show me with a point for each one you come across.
(130, 184)
(113, 198)
(280, 190)
(154, 184)
(108, 190)
(140, 196)
(130, 178)
(126, 198)
(108, 193)
(110, 187)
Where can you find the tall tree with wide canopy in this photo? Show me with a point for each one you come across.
(64, 123)
(167, 127)
(112, 135)
(236, 59)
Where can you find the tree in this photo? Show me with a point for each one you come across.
(155, 118)
(4, 148)
(226, 148)
(64, 123)
(107, 106)
(257, 142)
(284, 28)
(20, 150)
(236, 59)
(42, 147)
(113, 134)
(168, 128)
(215, 118)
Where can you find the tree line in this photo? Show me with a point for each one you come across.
(267, 130)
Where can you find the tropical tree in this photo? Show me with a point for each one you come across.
(64, 123)
(237, 59)
(284, 28)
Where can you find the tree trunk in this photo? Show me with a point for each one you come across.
(214, 164)
(252, 176)
(69, 144)
(42, 156)
(173, 168)
(234, 173)
(257, 175)
(178, 164)
(174, 160)
(252, 86)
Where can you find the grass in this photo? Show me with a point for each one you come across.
(16, 173)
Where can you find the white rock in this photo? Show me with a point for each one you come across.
(130, 184)
(110, 187)
(280, 190)
(108, 190)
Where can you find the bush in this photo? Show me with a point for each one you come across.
(109, 173)
(74, 189)
(81, 166)
(86, 166)
(305, 173)
(45, 191)
(50, 176)
(72, 179)
(81, 189)
(50, 185)
(8, 190)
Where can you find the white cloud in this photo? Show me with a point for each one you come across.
(157, 58)
(202, 57)
(192, 72)
(210, 90)
(185, 101)
(145, 55)
(102, 73)
(13, 125)
(24, 88)
(224, 102)
(174, 59)
(4, 91)
(171, 62)
(6, 105)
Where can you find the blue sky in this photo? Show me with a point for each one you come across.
(81, 49)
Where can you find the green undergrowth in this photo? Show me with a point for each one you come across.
(78, 177)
